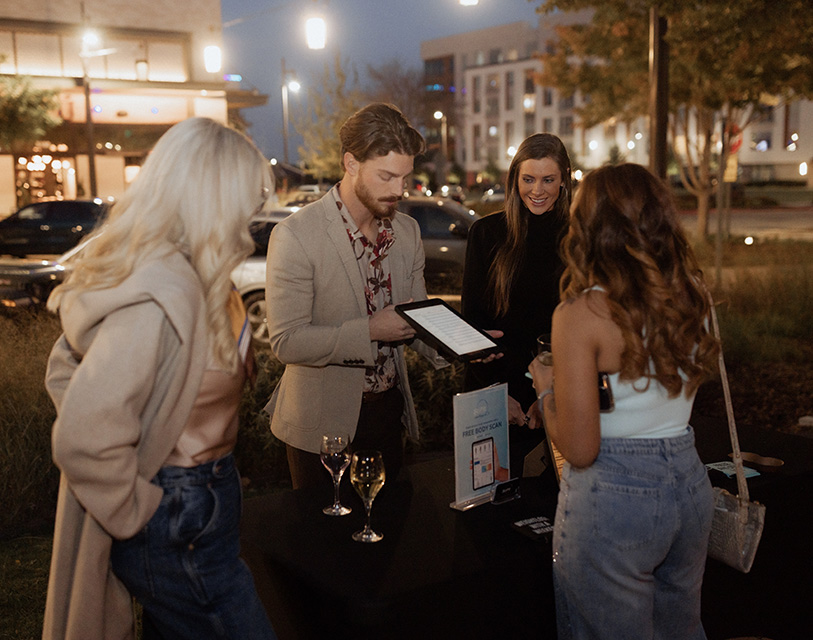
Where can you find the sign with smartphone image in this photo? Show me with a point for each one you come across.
(481, 445)
(482, 463)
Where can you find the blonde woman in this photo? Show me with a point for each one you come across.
(635, 502)
(147, 379)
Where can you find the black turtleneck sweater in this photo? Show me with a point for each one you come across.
(533, 297)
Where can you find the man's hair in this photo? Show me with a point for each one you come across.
(376, 130)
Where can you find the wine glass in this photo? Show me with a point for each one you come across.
(544, 350)
(335, 457)
(367, 476)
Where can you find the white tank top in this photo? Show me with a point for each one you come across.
(645, 414)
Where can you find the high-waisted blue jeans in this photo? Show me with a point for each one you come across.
(630, 540)
(184, 565)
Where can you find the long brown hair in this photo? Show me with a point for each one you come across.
(625, 236)
(511, 254)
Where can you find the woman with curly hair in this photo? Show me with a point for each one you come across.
(147, 379)
(511, 278)
(635, 503)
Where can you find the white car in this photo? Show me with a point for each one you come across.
(249, 277)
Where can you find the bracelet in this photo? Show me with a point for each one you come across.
(540, 398)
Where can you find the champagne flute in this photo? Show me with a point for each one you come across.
(335, 456)
(367, 476)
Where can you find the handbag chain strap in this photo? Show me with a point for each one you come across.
(742, 485)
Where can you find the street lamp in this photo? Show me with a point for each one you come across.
(90, 44)
(439, 115)
(316, 32)
(293, 85)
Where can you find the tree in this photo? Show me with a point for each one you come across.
(328, 108)
(26, 113)
(402, 87)
(725, 59)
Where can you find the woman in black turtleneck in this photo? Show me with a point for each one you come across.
(511, 278)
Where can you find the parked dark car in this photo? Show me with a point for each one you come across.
(28, 283)
(49, 228)
(444, 228)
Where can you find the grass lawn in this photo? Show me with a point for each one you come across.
(765, 318)
(23, 584)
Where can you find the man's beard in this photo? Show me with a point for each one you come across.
(379, 208)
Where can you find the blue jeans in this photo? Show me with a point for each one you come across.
(184, 565)
(629, 542)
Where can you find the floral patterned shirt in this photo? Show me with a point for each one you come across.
(374, 267)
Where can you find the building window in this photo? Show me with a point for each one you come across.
(547, 125)
(509, 134)
(492, 106)
(566, 126)
(530, 123)
(495, 56)
(547, 96)
(530, 86)
(761, 140)
(57, 54)
(433, 67)
(565, 104)
(477, 90)
(476, 140)
(38, 54)
(509, 91)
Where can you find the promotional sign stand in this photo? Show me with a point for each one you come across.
(481, 446)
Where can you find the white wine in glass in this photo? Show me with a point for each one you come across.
(367, 476)
(335, 457)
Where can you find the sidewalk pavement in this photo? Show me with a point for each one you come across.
(783, 223)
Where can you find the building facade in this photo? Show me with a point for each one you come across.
(144, 71)
(484, 80)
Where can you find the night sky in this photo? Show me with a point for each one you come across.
(363, 31)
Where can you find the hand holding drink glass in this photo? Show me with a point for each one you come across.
(544, 350)
(541, 367)
(335, 456)
(367, 475)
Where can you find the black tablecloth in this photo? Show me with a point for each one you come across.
(441, 573)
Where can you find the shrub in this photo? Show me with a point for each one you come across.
(766, 316)
(28, 477)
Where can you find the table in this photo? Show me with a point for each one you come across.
(441, 573)
(438, 572)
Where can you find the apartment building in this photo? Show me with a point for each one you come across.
(484, 81)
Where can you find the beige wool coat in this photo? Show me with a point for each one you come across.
(123, 377)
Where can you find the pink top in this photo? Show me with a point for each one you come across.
(211, 430)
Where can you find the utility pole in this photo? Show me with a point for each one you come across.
(658, 92)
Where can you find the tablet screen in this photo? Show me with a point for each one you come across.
(446, 326)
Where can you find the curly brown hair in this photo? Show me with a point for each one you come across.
(625, 237)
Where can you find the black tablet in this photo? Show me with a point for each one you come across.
(446, 330)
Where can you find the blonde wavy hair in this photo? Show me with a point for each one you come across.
(197, 190)
(625, 236)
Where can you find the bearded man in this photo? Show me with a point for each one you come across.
(336, 268)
